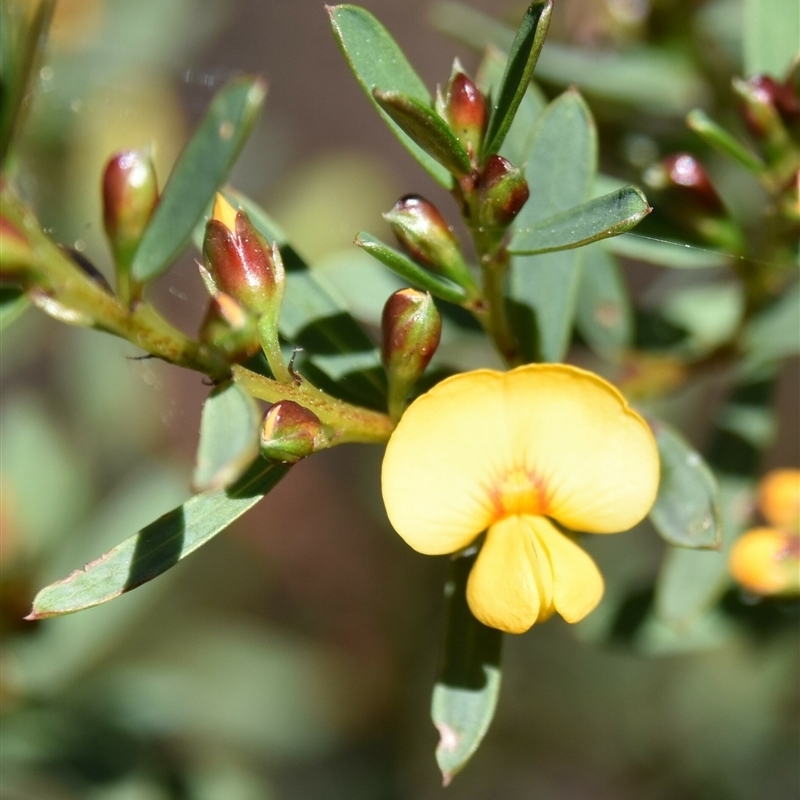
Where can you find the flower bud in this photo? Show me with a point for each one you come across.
(423, 233)
(764, 98)
(465, 111)
(683, 172)
(411, 328)
(503, 191)
(291, 432)
(241, 262)
(230, 328)
(130, 194)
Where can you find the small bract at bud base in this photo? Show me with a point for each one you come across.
(291, 432)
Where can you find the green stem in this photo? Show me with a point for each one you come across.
(270, 344)
(349, 423)
(50, 270)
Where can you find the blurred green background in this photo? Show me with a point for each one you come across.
(293, 657)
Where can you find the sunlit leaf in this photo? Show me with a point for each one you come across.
(522, 58)
(378, 63)
(595, 219)
(686, 512)
(560, 173)
(468, 683)
(199, 172)
(157, 547)
(228, 437)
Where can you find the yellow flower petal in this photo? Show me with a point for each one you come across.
(506, 589)
(440, 460)
(577, 583)
(595, 457)
(779, 498)
(543, 439)
(766, 561)
(224, 212)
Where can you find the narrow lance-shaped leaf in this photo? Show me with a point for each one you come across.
(686, 512)
(377, 62)
(157, 547)
(419, 277)
(199, 172)
(561, 173)
(600, 218)
(717, 137)
(228, 437)
(468, 683)
(425, 127)
(521, 60)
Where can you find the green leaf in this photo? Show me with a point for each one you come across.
(717, 137)
(691, 581)
(157, 547)
(603, 315)
(13, 303)
(658, 81)
(774, 332)
(518, 139)
(425, 127)
(22, 39)
(377, 62)
(771, 36)
(468, 682)
(199, 172)
(560, 172)
(595, 219)
(228, 437)
(665, 253)
(418, 276)
(686, 512)
(522, 58)
(336, 351)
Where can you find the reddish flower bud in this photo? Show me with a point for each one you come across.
(423, 233)
(465, 111)
(130, 194)
(685, 173)
(763, 96)
(241, 262)
(411, 328)
(291, 432)
(503, 191)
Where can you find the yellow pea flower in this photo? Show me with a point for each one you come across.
(515, 453)
(766, 560)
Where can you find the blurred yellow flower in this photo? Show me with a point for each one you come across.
(766, 560)
(519, 454)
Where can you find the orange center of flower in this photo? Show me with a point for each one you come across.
(519, 491)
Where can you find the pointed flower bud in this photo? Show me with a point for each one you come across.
(411, 328)
(423, 233)
(241, 262)
(465, 111)
(503, 191)
(764, 100)
(130, 194)
(685, 173)
(291, 432)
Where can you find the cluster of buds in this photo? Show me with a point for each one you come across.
(410, 332)
(766, 560)
(246, 280)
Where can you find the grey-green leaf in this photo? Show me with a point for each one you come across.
(522, 58)
(468, 682)
(691, 581)
(686, 512)
(561, 173)
(228, 437)
(599, 218)
(418, 276)
(717, 137)
(665, 252)
(157, 547)
(603, 315)
(771, 36)
(377, 62)
(425, 127)
(774, 332)
(199, 172)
